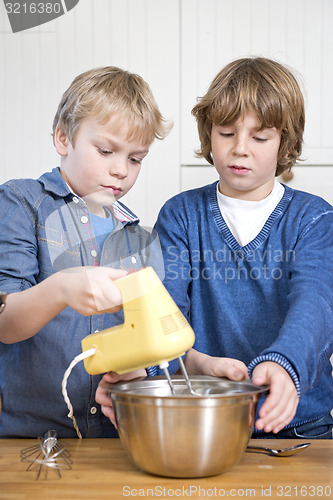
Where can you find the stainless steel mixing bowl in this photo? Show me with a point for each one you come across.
(182, 435)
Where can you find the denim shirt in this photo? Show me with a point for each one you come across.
(46, 228)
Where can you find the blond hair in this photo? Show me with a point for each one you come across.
(254, 84)
(107, 92)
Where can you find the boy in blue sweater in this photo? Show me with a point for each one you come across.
(249, 260)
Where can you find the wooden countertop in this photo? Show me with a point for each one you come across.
(101, 470)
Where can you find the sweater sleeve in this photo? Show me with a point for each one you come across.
(171, 227)
(306, 337)
(280, 360)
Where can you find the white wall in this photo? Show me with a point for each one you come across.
(37, 65)
(296, 32)
(177, 46)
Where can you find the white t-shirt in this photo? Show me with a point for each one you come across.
(245, 219)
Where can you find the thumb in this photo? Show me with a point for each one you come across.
(236, 374)
(111, 377)
(259, 376)
(234, 370)
(116, 274)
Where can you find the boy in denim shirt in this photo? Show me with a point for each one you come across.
(248, 260)
(64, 238)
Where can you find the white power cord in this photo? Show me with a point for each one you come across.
(76, 360)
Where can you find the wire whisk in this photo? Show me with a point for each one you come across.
(48, 453)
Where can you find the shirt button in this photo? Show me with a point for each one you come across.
(96, 331)
(84, 219)
(93, 410)
(75, 199)
(93, 253)
(133, 259)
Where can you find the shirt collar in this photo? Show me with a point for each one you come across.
(55, 183)
(123, 213)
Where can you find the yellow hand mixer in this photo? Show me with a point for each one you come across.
(153, 333)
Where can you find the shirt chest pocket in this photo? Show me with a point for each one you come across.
(56, 251)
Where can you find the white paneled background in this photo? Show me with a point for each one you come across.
(177, 46)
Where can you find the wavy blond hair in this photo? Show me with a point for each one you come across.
(254, 84)
(107, 92)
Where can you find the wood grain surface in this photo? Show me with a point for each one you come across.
(101, 470)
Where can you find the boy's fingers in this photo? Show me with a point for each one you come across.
(116, 274)
(281, 403)
(275, 422)
(276, 413)
(227, 367)
(235, 374)
(109, 413)
(260, 375)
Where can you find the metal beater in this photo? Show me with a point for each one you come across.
(164, 367)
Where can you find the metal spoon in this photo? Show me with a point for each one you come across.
(284, 452)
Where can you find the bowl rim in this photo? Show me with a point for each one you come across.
(132, 387)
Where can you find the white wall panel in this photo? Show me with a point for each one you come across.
(13, 125)
(277, 16)
(118, 33)
(49, 95)
(37, 65)
(313, 71)
(66, 51)
(206, 41)
(137, 50)
(3, 27)
(241, 23)
(327, 75)
(260, 29)
(177, 46)
(83, 36)
(28, 117)
(224, 26)
(156, 58)
(295, 32)
(190, 76)
(100, 24)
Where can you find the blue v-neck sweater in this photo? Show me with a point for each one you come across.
(269, 300)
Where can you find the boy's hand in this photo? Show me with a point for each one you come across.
(102, 394)
(90, 290)
(281, 403)
(198, 363)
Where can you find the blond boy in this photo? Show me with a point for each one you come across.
(64, 238)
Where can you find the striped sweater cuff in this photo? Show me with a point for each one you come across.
(280, 360)
(152, 371)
